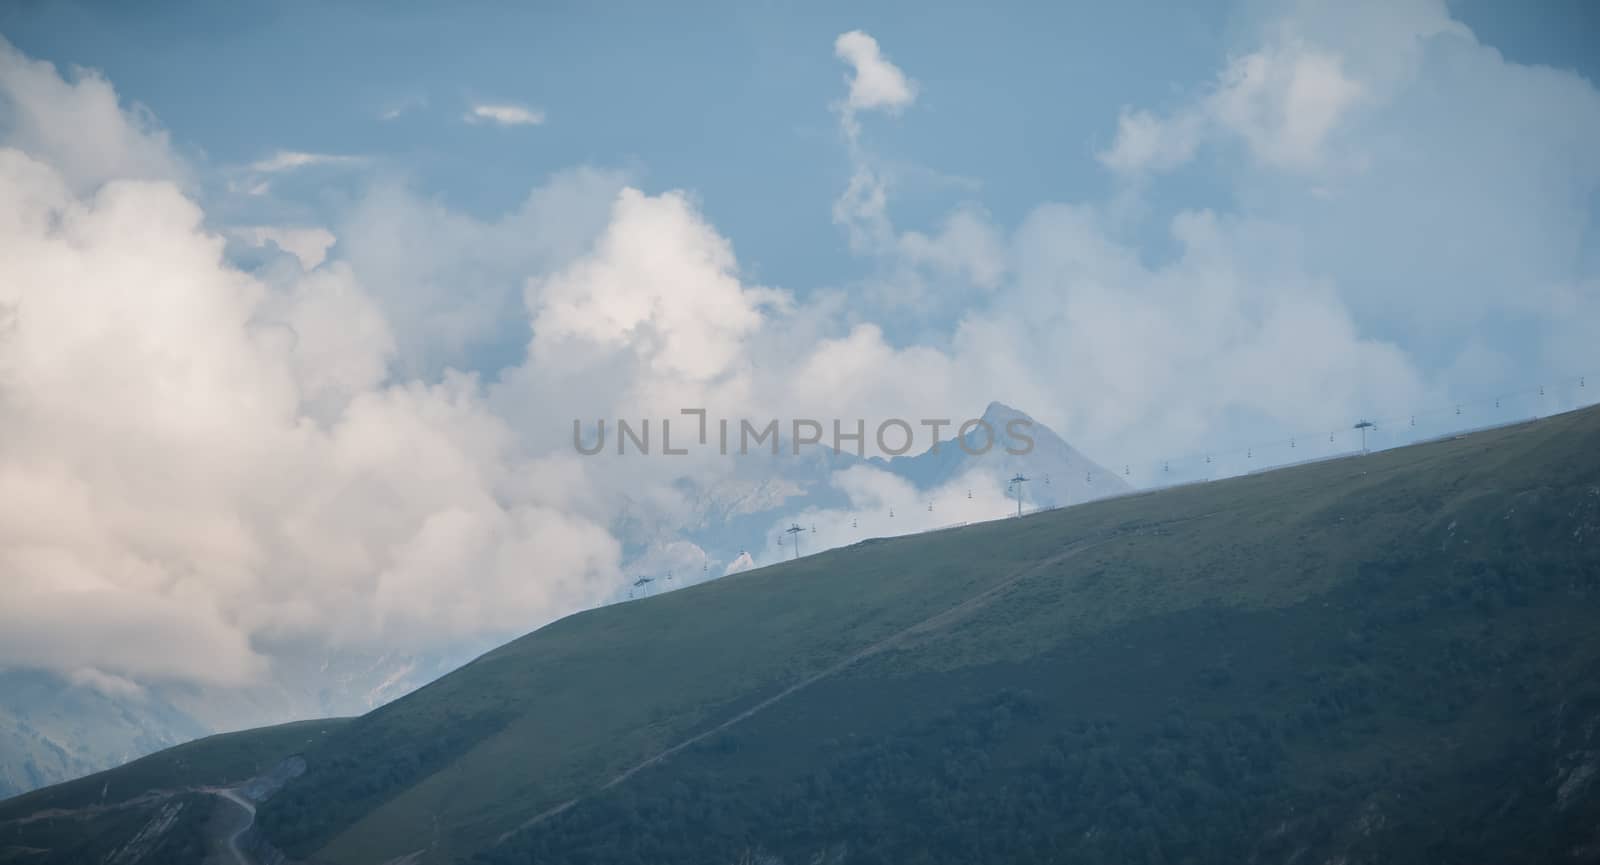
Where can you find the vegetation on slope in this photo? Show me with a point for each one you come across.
(1349, 657)
(1387, 658)
(93, 818)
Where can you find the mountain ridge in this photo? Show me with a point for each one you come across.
(732, 515)
(1278, 633)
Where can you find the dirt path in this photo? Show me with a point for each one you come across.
(231, 843)
(934, 622)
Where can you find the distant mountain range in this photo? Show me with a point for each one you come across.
(1058, 474)
(52, 729)
(741, 512)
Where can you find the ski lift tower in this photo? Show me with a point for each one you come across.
(1016, 484)
(1364, 426)
(794, 531)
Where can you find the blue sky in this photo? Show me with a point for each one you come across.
(730, 100)
(727, 99)
(309, 294)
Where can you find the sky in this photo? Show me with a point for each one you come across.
(298, 302)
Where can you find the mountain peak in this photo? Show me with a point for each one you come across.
(998, 413)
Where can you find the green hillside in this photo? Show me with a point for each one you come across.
(91, 818)
(1391, 658)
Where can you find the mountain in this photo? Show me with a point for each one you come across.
(762, 493)
(53, 729)
(1058, 473)
(1385, 658)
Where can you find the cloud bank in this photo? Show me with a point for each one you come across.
(206, 459)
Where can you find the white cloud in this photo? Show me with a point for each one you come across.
(925, 274)
(1283, 102)
(80, 121)
(968, 246)
(863, 211)
(200, 462)
(1146, 142)
(877, 84)
(111, 686)
(450, 283)
(291, 160)
(504, 114)
(659, 285)
(170, 507)
(1441, 190)
(653, 318)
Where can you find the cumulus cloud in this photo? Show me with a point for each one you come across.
(876, 84)
(967, 246)
(1147, 142)
(1285, 102)
(450, 283)
(80, 121)
(179, 491)
(1282, 102)
(1438, 185)
(1129, 358)
(504, 114)
(1395, 181)
(202, 463)
(653, 318)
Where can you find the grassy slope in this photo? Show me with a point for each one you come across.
(214, 760)
(81, 820)
(1238, 572)
(1382, 642)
